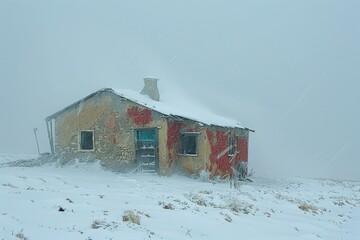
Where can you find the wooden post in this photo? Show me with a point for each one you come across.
(50, 135)
(37, 142)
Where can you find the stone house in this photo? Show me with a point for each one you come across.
(130, 131)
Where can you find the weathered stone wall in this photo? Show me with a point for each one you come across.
(114, 121)
(88, 115)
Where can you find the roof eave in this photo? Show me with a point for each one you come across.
(177, 117)
(249, 129)
(52, 116)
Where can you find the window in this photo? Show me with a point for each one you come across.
(87, 140)
(188, 143)
(232, 145)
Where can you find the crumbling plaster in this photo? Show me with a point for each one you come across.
(114, 120)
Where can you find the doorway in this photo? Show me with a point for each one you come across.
(147, 150)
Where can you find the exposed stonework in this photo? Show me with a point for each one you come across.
(115, 121)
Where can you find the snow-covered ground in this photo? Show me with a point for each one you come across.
(7, 158)
(99, 204)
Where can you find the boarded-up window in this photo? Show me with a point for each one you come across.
(86, 140)
(188, 143)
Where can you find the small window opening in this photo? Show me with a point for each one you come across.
(87, 140)
(188, 144)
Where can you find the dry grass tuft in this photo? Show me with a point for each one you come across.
(226, 217)
(9, 185)
(197, 199)
(306, 207)
(207, 192)
(131, 216)
(21, 236)
(168, 206)
(98, 224)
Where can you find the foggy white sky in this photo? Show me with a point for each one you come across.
(289, 69)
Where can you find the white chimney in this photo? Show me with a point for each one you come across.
(150, 88)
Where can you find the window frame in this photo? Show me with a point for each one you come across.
(93, 141)
(182, 151)
(233, 147)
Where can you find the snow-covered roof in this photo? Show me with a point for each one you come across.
(170, 109)
(196, 114)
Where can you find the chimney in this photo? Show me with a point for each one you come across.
(150, 88)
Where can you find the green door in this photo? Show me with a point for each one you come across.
(147, 150)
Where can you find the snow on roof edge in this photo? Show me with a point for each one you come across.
(164, 108)
(168, 109)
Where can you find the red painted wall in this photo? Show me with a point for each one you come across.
(220, 161)
(243, 149)
(140, 117)
(173, 138)
(219, 155)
